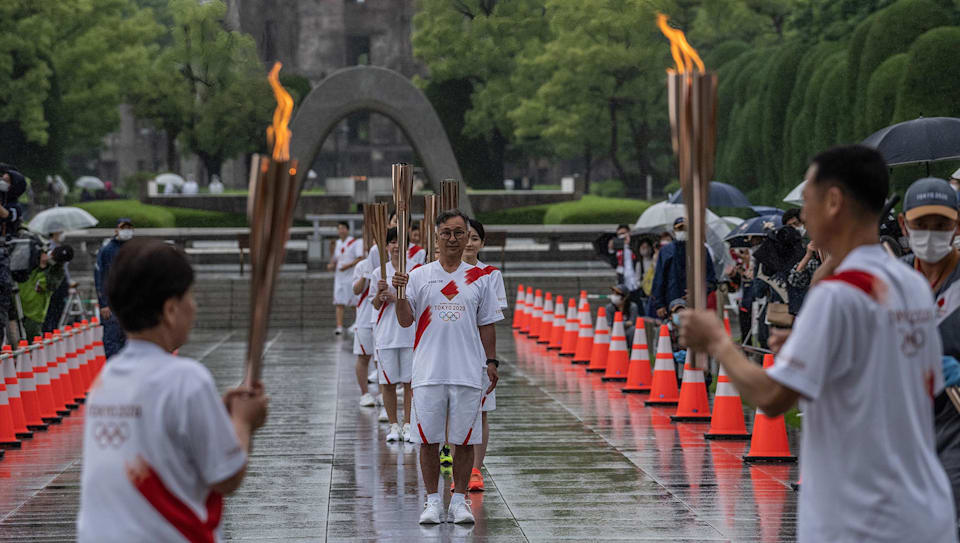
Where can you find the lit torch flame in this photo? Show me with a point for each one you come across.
(684, 55)
(277, 133)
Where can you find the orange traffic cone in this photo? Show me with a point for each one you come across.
(583, 298)
(601, 343)
(536, 318)
(584, 337)
(769, 443)
(664, 391)
(617, 363)
(8, 437)
(45, 397)
(70, 353)
(571, 330)
(83, 362)
(518, 308)
(13, 394)
(57, 372)
(639, 375)
(727, 420)
(546, 321)
(101, 356)
(559, 324)
(63, 365)
(28, 391)
(694, 404)
(527, 312)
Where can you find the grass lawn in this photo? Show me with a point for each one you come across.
(589, 209)
(151, 216)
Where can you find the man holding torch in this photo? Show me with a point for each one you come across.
(450, 301)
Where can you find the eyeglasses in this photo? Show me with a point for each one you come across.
(447, 234)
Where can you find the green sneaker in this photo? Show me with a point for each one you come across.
(446, 459)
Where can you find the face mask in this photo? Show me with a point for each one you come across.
(615, 299)
(4, 186)
(645, 252)
(676, 319)
(681, 235)
(664, 242)
(125, 235)
(803, 230)
(930, 245)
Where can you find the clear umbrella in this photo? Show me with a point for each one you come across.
(796, 195)
(89, 182)
(62, 219)
(165, 179)
(660, 217)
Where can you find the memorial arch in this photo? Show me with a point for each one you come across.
(383, 91)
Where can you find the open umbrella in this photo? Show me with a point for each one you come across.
(721, 195)
(660, 216)
(926, 139)
(88, 182)
(732, 221)
(757, 226)
(796, 195)
(165, 179)
(61, 219)
(767, 210)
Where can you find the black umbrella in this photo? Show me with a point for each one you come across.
(920, 140)
(721, 195)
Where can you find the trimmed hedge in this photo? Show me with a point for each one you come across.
(930, 80)
(882, 92)
(150, 216)
(596, 210)
(515, 215)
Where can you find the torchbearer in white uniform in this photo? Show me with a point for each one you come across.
(475, 241)
(394, 346)
(864, 358)
(455, 308)
(347, 253)
(160, 446)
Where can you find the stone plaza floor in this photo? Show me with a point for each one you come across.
(571, 458)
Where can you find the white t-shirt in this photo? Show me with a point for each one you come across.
(364, 307)
(865, 355)
(156, 437)
(497, 279)
(387, 332)
(346, 252)
(448, 308)
(415, 255)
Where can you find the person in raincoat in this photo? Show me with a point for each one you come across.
(113, 337)
(37, 291)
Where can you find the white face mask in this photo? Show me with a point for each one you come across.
(615, 299)
(680, 235)
(125, 235)
(4, 186)
(930, 245)
(803, 230)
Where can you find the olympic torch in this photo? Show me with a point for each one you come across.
(692, 103)
(449, 194)
(402, 193)
(431, 206)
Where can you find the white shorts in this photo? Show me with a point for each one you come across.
(396, 365)
(447, 413)
(363, 341)
(343, 291)
(489, 402)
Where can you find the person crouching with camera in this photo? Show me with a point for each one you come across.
(39, 287)
(12, 185)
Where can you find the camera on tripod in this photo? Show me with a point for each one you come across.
(26, 250)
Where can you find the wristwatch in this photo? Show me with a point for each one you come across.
(493, 361)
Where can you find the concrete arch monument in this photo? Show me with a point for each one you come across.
(369, 88)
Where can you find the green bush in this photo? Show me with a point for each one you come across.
(608, 188)
(596, 210)
(150, 216)
(515, 215)
(779, 78)
(882, 92)
(930, 80)
(725, 52)
(893, 30)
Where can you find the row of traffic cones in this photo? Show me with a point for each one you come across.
(604, 351)
(45, 381)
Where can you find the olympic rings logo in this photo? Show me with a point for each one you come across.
(449, 316)
(111, 434)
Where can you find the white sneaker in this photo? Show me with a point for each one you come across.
(460, 513)
(338, 331)
(432, 513)
(394, 433)
(372, 378)
(383, 415)
(367, 400)
(407, 434)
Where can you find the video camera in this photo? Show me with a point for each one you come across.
(26, 249)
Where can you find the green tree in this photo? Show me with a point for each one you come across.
(779, 83)
(64, 69)
(801, 113)
(930, 80)
(479, 41)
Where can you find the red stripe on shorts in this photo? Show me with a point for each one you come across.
(385, 377)
(423, 438)
(465, 441)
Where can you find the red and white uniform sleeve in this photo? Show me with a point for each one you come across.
(210, 436)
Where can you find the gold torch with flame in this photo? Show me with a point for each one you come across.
(270, 204)
(692, 100)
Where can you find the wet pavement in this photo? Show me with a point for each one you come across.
(570, 457)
